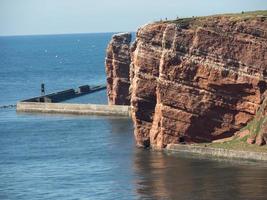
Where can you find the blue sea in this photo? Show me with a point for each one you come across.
(67, 157)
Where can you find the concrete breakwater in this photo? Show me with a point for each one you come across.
(217, 152)
(49, 104)
(69, 108)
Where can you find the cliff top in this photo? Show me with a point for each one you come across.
(248, 14)
(233, 17)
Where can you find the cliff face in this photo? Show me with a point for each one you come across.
(117, 69)
(198, 79)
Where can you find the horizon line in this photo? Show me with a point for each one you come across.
(74, 33)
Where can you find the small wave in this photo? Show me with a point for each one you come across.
(8, 106)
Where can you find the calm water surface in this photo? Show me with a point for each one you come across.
(88, 157)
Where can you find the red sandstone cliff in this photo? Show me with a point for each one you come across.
(197, 79)
(117, 69)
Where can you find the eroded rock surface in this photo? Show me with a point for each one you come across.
(117, 69)
(196, 80)
(255, 131)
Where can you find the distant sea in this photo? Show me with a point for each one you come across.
(66, 157)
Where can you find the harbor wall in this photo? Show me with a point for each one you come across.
(217, 152)
(69, 108)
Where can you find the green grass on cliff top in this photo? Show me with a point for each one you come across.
(233, 17)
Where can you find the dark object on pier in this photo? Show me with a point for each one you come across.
(84, 88)
(66, 94)
(42, 89)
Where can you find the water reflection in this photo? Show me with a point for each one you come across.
(120, 125)
(161, 176)
(93, 157)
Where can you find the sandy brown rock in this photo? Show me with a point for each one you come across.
(198, 80)
(242, 134)
(251, 140)
(117, 69)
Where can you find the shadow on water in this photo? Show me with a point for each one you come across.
(176, 176)
(120, 125)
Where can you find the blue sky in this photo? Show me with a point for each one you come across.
(27, 17)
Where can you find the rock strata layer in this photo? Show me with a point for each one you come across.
(117, 69)
(198, 79)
